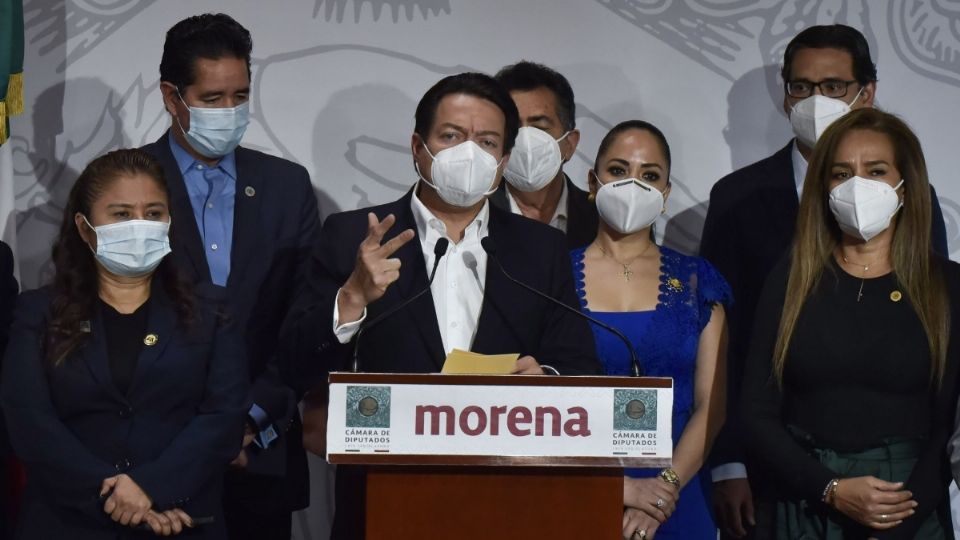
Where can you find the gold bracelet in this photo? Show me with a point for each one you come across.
(830, 491)
(670, 476)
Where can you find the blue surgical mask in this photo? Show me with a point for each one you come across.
(131, 248)
(215, 133)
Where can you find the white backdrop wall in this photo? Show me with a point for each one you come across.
(335, 85)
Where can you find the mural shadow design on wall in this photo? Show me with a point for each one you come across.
(926, 36)
(77, 25)
(336, 9)
(717, 35)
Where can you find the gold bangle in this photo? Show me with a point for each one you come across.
(670, 476)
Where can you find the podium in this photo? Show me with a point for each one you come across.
(497, 457)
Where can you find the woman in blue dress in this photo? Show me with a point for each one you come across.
(671, 307)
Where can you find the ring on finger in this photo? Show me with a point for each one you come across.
(641, 533)
(659, 503)
(883, 518)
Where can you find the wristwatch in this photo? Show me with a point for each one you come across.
(670, 476)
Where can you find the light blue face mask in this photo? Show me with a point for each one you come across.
(215, 133)
(131, 248)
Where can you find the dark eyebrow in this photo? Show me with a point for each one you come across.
(618, 161)
(650, 166)
(490, 133)
(876, 162)
(541, 118)
(119, 205)
(453, 126)
(841, 164)
(156, 203)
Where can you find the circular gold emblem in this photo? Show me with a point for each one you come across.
(368, 406)
(635, 409)
(249, 191)
(150, 340)
(896, 296)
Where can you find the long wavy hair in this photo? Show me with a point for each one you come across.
(917, 271)
(75, 283)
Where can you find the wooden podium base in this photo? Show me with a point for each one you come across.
(485, 503)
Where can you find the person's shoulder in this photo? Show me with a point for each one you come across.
(517, 226)
(285, 169)
(350, 217)
(754, 174)
(34, 304)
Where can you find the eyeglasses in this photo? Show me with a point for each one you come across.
(832, 88)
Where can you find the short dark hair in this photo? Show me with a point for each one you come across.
(525, 76)
(471, 84)
(211, 36)
(628, 125)
(833, 36)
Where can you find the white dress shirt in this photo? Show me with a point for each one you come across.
(559, 219)
(458, 286)
(799, 167)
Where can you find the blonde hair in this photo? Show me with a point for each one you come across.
(818, 234)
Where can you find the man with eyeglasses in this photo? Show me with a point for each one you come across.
(827, 71)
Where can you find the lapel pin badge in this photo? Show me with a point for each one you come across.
(249, 191)
(896, 296)
(150, 340)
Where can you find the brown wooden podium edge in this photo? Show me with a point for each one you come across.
(497, 461)
(500, 380)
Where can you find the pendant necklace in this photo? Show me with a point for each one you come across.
(626, 272)
(863, 277)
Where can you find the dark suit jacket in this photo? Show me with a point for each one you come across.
(8, 299)
(275, 220)
(173, 432)
(749, 226)
(582, 214)
(512, 320)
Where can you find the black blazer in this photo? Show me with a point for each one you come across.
(511, 319)
(582, 214)
(8, 299)
(173, 432)
(275, 220)
(749, 226)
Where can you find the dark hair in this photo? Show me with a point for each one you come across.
(471, 84)
(75, 282)
(525, 76)
(211, 36)
(833, 36)
(628, 125)
(918, 272)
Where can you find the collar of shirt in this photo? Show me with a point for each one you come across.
(559, 219)
(186, 162)
(799, 167)
(458, 286)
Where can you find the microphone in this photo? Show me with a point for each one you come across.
(490, 246)
(439, 250)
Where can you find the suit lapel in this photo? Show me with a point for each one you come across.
(246, 215)
(783, 198)
(95, 356)
(184, 234)
(496, 286)
(161, 323)
(413, 279)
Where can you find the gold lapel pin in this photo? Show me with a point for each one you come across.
(249, 191)
(896, 296)
(150, 340)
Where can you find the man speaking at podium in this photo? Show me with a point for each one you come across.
(358, 310)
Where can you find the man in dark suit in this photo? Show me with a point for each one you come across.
(244, 221)
(536, 185)
(8, 299)
(369, 261)
(750, 226)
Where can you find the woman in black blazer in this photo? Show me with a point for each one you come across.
(124, 396)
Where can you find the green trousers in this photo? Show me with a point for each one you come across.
(814, 520)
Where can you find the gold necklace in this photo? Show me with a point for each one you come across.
(626, 272)
(863, 278)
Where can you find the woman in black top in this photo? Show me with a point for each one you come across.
(124, 397)
(851, 382)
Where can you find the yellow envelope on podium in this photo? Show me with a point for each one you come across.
(466, 362)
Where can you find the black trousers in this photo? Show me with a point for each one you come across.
(251, 510)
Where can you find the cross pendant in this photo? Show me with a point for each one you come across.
(626, 272)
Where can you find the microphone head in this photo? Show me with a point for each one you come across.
(440, 248)
(489, 245)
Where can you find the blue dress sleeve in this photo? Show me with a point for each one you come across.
(712, 289)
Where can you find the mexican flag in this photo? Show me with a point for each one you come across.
(11, 103)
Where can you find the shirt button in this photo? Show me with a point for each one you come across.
(453, 285)
(209, 205)
(453, 324)
(213, 247)
(199, 167)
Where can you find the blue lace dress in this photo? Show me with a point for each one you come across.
(666, 341)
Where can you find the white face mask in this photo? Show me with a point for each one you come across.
(811, 116)
(463, 174)
(863, 208)
(535, 159)
(630, 205)
(215, 133)
(131, 248)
